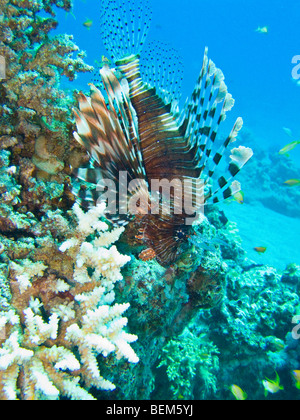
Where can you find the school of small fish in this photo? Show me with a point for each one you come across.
(271, 386)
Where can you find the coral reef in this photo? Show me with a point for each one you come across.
(53, 316)
(265, 177)
(35, 114)
(252, 329)
(60, 267)
(191, 365)
(242, 340)
(58, 280)
(62, 304)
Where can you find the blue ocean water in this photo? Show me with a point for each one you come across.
(258, 72)
(213, 317)
(257, 66)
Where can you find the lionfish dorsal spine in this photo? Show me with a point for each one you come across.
(130, 68)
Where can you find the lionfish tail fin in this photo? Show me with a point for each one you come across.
(124, 26)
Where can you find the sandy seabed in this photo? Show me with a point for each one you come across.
(260, 226)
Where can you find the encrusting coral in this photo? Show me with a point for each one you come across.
(53, 316)
(266, 176)
(191, 364)
(35, 114)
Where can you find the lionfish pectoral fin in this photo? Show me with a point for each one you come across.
(226, 186)
(110, 135)
(119, 100)
(200, 123)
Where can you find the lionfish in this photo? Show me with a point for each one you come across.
(134, 128)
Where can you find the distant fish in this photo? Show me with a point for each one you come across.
(260, 249)
(289, 147)
(70, 13)
(239, 197)
(238, 393)
(279, 344)
(296, 376)
(262, 30)
(292, 182)
(272, 386)
(88, 23)
(288, 131)
(105, 61)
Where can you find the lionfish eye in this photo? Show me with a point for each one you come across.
(180, 234)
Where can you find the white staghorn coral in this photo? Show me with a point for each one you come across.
(37, 331)
(105, 262)
(41, 332)
(26, 271)
(101, 330)
(40, 365)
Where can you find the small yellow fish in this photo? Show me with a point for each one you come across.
(272, 386)
(296, 376)
(105, 62)
(105, 59)
(292, 182)
(260, 249)
(262, 30)
(238, 393)
(289, 147)
(88, 23)
(70, 13)
(239, 197)
(279, 344)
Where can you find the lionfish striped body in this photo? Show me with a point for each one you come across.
(136, 131)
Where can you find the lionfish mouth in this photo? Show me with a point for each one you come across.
(149, 162)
